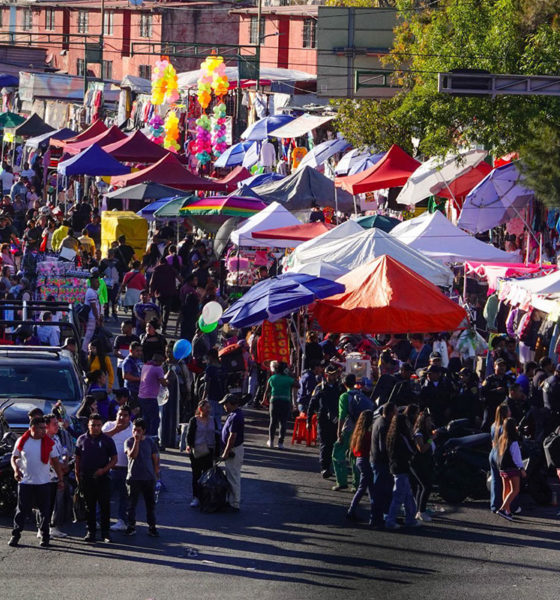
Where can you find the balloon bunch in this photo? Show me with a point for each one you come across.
(203, 140)
(157, 129)
(211, 314)
(164, 83)
(219, 137)
(171, 127)
(205, 85)
(217, 67)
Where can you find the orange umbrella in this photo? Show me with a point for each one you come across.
(384, 296)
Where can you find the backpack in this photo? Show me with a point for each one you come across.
(551, 446)
(82, 310)
(357, 403)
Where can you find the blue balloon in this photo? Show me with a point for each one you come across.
(182, 349)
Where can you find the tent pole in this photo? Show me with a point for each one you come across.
(355, 205)
(336, 204)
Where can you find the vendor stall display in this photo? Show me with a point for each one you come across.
(62, 280)
(132, 226)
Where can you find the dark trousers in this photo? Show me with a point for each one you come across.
(97, 491)
(423, 471)
(33, 496)
(198, 466)
(165, 305)
(112, 298)
(279, 413)
(366, 483)
(119, 491)
(327, 437)
(382, 493)
(150, 412)
(147, 489)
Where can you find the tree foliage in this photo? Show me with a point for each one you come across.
(499, 36)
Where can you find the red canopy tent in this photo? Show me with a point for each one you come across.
(384, 296)
(393, 170)
(298, 233)
(92, 131)
(463, 185)
(111, 135)
(169, 171)
(136, 148)
(237, 175)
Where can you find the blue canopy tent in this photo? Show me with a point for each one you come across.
(93, 162)
(45, 138)
(7, 80)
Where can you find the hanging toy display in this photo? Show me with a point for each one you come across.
(165, 87)
(220, 85)
(212, 78)
(157, 131)
(171, 127)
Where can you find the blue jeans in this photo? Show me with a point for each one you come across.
(402, 494)
(382, 493)
(119, 491)
(366, 483)
(495, 482)
(150, 412)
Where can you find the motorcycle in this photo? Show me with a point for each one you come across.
(8, 484)
(461, 462)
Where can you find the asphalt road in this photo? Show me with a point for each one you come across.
(289, 541)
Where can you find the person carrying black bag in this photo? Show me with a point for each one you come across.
(203, 444)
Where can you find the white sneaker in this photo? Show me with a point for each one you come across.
(195, 502)
(423, 516)
(56, 533)
(120, 525)
(268, 444)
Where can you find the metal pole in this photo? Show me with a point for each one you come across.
(102, 40)
(259, 12)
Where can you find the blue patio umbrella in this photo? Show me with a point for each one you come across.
(233, 156)
(365, 162)
(261, 129)
(261, 178)
(277, 297)
(496, 199)
(322, 152)
(148, 211)
(348, 160)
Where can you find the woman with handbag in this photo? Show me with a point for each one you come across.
(203, 444)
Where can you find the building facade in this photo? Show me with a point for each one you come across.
(133, 36)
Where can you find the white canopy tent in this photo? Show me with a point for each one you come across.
(437, 238)
(300, 126)
(272, 217)
(341, 254)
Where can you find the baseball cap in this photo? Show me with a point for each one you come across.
(435, 355)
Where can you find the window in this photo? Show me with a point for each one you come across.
(27, 19)
(145, 26)
(253, 31)
(145, 71)
(83, 21)
(80, 67)
(108, 23)
(107, 72)
(310, 33)
(49, 19)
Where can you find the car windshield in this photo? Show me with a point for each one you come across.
(44, 382)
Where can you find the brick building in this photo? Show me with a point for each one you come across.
(288, 35)
(63, 28)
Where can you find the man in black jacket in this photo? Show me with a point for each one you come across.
(382, 478)
(324, 402)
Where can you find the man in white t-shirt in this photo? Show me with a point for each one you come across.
(120, 430)
(94, 317)
(32, 457)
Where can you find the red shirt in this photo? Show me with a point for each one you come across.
(364, 449)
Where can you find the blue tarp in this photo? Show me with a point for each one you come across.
(93, 162)
(8, 80)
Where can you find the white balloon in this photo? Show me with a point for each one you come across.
(212, 312)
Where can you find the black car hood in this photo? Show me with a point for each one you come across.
(17, 417)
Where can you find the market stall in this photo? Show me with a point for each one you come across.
(116, 223)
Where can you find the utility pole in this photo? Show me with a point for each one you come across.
(102, 40)
(259, 33)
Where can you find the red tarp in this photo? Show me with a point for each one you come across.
(92, 131)
(300, 233)
(169, 171)
(236, 176)
(464, 184)
(113, 134)
(384, 296)
(393, 170)
(136, 148)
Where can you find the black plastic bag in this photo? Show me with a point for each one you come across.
(79, 506)
(213, 489)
